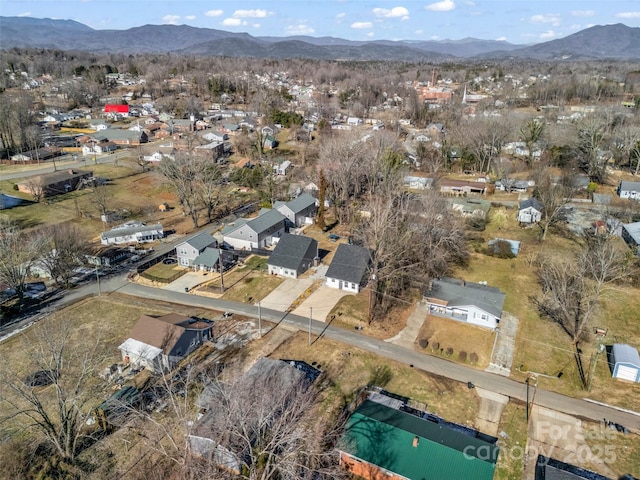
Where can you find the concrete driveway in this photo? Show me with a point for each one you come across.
(286, 293)
(189, 280)
(321, 303)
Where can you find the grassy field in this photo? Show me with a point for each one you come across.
(512, 445)
(350, 369)
(161, 272)
(464, 340)
(246, 283)
(542, 347)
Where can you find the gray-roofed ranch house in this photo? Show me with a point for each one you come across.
(465, 301)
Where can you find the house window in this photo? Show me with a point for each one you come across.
(183, 251)
(184, 261)
(353, 285)
(484, 317)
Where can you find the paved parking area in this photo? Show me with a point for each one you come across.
(286, 293)
(189, 280)
(321, 303)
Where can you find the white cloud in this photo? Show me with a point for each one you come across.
(443, 6)
(233, 22)
(25, 14)
(548, 35)
(171, 19)
(419, 32)
(552, 18)
(470, 4)
(300, 29)
(190, 17)
(341, 15)
(251, 13)
(214, 13)
(501, 39)
(361, 25)
(395, 12)
(628, 15)
(583, 13)
(255, 25)
(370, 34)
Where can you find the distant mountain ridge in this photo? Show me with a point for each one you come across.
(599, 42)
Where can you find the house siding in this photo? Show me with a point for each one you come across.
(342, 285)
(466, 314)
(529, 215)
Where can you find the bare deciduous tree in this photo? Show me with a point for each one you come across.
(554, 194)
(55, 414)
(18, 252)
(64, 250)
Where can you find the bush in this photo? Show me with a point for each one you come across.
(500, 249)
(462, 356)
(15, 187)
(477, 224)
(423, 342)
(435, 346)
(473, 358)
(449, 351)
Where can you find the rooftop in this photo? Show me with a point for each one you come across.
(290, 251)
(460, 293)
(349, 263)
(415, 447)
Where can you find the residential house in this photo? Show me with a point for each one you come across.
(530, 211)
(631, 235)
(259, 232)
(283, 379)
(470, 207)
(348, 269)
(94, 147)
(435, 130)
(293, 255)
(132, 232)
(116, 110)
(107, 256)
(422, 137)
(384, 439)
(282, 169)
(37, 155)
(122, 137)
(624, 362)
(461, 187)
(354, 121)
(269, 142)
(209, 260)
(299, 211)
(189, 250)
(418, 183)
(630, 190)
(56, 183)
(548, 468)
(469, 302)
(216, 136)
(159, 343)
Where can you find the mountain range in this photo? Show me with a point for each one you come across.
(599, 42)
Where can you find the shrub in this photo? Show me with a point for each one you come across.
(477, 224)
(15, 187)
(473, 358)
(462, 356)
(449, 351)
(423, 342)
(435, 346)
(500, 249)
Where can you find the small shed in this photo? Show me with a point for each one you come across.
(625, 362)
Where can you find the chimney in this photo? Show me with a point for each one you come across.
(416, 440)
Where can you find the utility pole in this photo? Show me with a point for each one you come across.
(221, 269)
(592, 370)
(527, 382)
(259, 321)
(372, 290)
(310, 312)
(98, 279)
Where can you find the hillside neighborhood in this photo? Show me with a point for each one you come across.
(318, 269)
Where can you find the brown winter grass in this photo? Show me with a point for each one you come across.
(350, 369)
(458, 336)
(543, 347)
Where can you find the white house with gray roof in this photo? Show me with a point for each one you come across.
(293, 255)
(299, 211)
(191, 248)
(348, 269)
(469, 302)
(132, 232)
(631, 235)
(530, 211)
(629, 190)
(260, 232)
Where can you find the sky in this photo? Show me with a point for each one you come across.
(515, 21)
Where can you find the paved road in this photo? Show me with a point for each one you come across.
(438, 366)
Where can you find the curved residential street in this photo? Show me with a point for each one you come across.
(485, 380)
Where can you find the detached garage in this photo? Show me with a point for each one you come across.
(625, 362)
